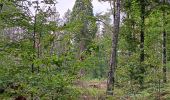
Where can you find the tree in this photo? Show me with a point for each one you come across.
(113, 61)
(82, 11)
(67, 16)
(164, 43)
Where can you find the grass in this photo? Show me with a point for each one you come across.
(92, 90)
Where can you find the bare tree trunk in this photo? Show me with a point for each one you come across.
(34, 44)
(1, 5)
(164, 47)
(111, 73)
(164, 57)
(142, 38)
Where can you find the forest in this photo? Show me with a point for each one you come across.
(120, 54)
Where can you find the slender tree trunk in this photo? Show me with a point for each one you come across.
(1, 5)
(34, 44)
(142, 38)
(164, 47)
(111, 73)
(164, 57)
(39, 49)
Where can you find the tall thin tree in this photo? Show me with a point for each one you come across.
(142, 38)
(113, 62)
(164, 34)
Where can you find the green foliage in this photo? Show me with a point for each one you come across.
(87, 28)
(41, 57)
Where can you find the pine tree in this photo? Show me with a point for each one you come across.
(82, 13)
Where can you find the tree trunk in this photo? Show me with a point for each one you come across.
(34, 45)
(111, 73)
(164, 47)
(164, 56)
(142, 38)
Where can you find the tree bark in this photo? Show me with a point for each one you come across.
(34, 45)
(113, 62)
(142, 38)
(164, 47)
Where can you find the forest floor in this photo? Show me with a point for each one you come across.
(96, 90)
(92, 89)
